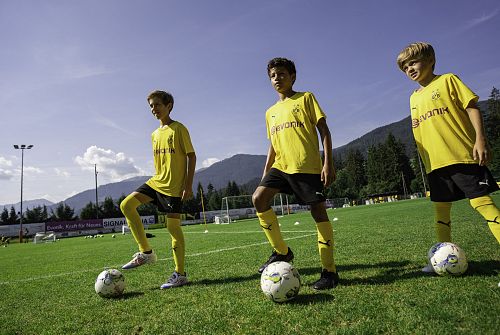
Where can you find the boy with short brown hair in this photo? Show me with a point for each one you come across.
(172, 183)
(294, 165)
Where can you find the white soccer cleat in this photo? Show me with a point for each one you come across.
(139, 259)
(175, 280)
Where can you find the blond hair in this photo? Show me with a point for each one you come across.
(416, 51)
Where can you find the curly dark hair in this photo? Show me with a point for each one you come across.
(282, 62)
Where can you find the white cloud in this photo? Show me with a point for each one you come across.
(481, 19)
(110, 165)
(5, 162)
(209, 161)
(32, 169)
(5, 172)
(62, 173)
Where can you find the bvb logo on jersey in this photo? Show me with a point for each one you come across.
(296, 109)
(436, 95)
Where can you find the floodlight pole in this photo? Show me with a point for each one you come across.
(22, 147)
(96, 201)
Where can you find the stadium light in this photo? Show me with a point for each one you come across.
(96, 198)
(22, 147)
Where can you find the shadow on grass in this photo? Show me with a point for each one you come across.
(390, 272)
(489, 268)
(126, 296)
(227, 280)
(309, 299)
(131, 295)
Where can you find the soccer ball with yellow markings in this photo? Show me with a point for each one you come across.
(447, 259)
(280, 281)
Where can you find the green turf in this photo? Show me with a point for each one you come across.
(49, 288)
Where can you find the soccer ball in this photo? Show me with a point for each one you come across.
(110, 283)
(280, 281)
(447, 259)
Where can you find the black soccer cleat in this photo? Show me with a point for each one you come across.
(328, 280)
(275, 257)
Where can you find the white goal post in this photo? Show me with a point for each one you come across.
(44, 237)
(241, 207)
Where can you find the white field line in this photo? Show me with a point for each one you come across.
(239, 247)
(50, 276)
(247, 232)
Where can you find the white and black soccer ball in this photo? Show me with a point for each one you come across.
(280, 281)
(110, 283)
(447, 259)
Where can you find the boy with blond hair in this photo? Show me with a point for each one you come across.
(448, 129)
(172, 183)
(294, 165)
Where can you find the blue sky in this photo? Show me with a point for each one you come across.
(74, 75)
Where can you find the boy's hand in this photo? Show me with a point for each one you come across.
(327, 176)
(187, 194)
(480, 152)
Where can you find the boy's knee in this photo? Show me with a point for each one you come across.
(255, 197)
(123, 205)
(318, 212)
(258, 201)
(129, 204)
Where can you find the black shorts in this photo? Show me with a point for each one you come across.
(307, 187)
(460, 181)
(165, 203)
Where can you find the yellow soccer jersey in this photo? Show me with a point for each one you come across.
(170, 146)
(291, 127)
(441, 126)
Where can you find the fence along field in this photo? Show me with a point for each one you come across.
(48, 288)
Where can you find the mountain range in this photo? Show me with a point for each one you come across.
(240, 168)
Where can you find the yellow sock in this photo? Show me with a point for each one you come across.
(269, 223)
(325, 245)
(129, 209)
(178, 245)
(487, 208)
(442, 221)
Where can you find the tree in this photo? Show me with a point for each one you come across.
(399, 165)
(215, 200)
(13, 218)
(417, 184)
(231, 189)
(355, 173)
(37, 214)
(492, 117)
(4, 217)
(63, 213)
(109, 209)
(88, 212)
(191, 206)
(386, 167)
(147, 209)
(492, 128)
(210, 190)
(339, 188)
(375, 170)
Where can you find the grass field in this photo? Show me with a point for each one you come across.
(49, 288)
